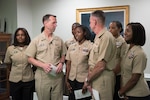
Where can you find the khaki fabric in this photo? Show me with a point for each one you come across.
(47, 52)
(104, 48)
(135, 61)
(48, 87)
(20, 69)
(121, 48)
(69, 42)
(79, 55)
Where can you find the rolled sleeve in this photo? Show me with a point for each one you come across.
(139, 63)
(31, 49)
(8, 55)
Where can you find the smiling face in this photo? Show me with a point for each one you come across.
(79, 34)
(128, 34)
(20, 36)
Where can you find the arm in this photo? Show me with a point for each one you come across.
(123, 47)
(117, 69)
(62, 59)
(45, 66)
(60, 65)
(130, 84)
(68, 66)
(98, 69)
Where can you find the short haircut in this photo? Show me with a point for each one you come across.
(86, 30)
(46, 17)
(27, 37)
(100, 15)
(119, 25)
(138, 31)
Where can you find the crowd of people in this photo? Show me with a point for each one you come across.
(111, 64)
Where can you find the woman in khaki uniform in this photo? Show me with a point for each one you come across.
(115, 27)
(77, 61)
(21, 74)
(133, 84)
(72, 40)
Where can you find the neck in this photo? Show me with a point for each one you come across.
(98, 29)
(21, 45)
(48, 34)
(80, 42)
(131, 45)
(116, 36)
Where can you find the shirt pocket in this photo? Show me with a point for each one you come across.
(96, 52)
(42, 50)
(57, 48)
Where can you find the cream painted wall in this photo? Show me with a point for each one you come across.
(65, 10)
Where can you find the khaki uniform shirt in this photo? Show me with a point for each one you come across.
(135, 61)
(69, 42)
(48, 52)
(121, 48)
(20, 69)
(79, 55)
(104, 48)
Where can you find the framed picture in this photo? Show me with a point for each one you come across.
(112, 13)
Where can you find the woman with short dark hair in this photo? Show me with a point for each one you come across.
(133, 64)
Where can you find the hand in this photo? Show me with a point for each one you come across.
(115, 72)
(85, 87)
(47, 68)
(122, 96)
(89, 87)
(69, 87)
(59, 68)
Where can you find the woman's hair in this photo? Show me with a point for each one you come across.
(27, 37)
(119, 25)
(75, 24)
(86, 30)
(138, 33)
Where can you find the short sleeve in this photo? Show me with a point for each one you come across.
(31, 49)
(139, 63)
(105, 50)
(8, 55)
(123, 49)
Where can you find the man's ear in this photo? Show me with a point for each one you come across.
(45, 22)
(95, 21)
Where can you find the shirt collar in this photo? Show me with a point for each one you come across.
(101, 33)
(45, 38)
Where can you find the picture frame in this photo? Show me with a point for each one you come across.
(112, 13)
